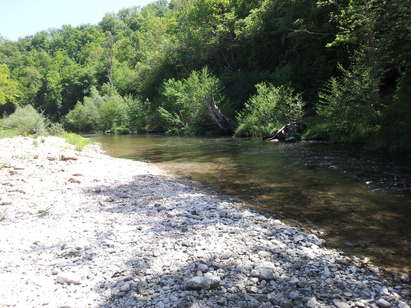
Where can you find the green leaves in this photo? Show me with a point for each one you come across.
(99, 112)
(9, 88)
(348, 105)
(271, 108)
(184, 110)
(26, 120)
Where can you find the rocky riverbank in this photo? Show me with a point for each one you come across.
(82, 229)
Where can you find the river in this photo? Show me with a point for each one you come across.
(361, 203)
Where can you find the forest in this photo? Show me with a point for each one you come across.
(339, 70)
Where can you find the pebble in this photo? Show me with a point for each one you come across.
(312, 303)
(405, 277)
(67, 280)
(403, 305)
(340, 304)
(202, 267)
(382, 303)
(125, 287)
(293, 295)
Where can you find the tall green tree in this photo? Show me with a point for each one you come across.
(9, 88)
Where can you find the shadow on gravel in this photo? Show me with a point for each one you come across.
(181, 225)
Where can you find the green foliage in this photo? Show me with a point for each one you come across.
(112, 112)
(79, 142)
(27, 121)
(100, 112)
(184, 110)
(56, 129)
(138, 114)
(151, 58)
(380, 32)
(270, 109)
(348, 106)
(85, 117)
(9, 88)
(8, 133)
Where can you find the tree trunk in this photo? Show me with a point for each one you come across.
(221, 120)
(110, 56)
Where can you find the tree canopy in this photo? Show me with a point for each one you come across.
(152, 55)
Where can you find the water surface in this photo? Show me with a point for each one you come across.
(355, 198)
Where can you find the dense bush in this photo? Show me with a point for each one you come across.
(85, 116)
(101, 112)
(138, 113)
(184, 110)
(112, 113)
(26, 121)
(348, 106)
(270, 109)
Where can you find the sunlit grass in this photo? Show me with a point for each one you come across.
(79, 142)
(8, 133)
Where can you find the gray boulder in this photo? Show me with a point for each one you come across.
(263, 273)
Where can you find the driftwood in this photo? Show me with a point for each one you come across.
(221, 120)
(279, 134)
(288, 131)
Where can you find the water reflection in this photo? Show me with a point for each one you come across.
(316, 184)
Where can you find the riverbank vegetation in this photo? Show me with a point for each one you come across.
(190, 67)
(27, 121)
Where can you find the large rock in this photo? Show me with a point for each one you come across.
(205, 282)
(263, 273)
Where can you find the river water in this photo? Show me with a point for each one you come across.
(361, 203)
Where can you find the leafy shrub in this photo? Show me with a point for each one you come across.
(99, 112)
(26, 121)
(138, 113)
(112, 112)
(184, 110)
(270, 109)
(348, 105)
(85, 116)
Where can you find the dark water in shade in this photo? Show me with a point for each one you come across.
(352, 197)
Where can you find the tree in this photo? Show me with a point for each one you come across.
(186, 108)
(9, 88)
